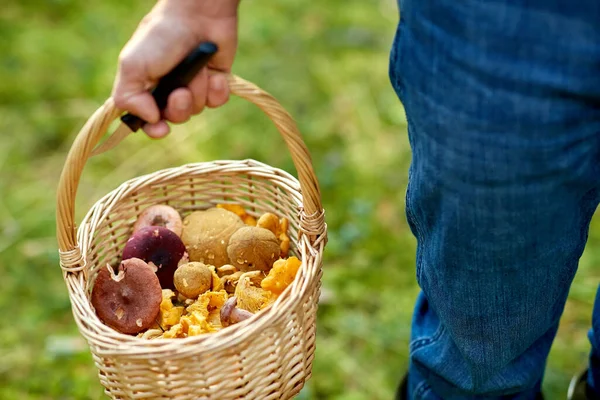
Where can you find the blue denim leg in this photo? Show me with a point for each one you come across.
(503, 104)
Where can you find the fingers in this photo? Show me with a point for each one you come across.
(157, 130)
(185, 102)
(131, 91)
(218, 90)
(199, 87)
(205, 90)
(180, 106)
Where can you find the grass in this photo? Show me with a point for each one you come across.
(327, 64)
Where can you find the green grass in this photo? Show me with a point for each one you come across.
(327, 64)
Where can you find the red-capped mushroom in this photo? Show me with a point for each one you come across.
(159, 246)
(128, 301)
(160, 215)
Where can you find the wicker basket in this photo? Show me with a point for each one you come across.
(268, 356)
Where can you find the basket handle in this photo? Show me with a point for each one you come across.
(312, 221)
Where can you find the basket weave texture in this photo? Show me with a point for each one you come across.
(268, 356)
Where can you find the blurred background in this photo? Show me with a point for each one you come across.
(327, 64)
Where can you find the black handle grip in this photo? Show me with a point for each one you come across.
(179, 76)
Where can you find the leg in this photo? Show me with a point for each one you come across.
(504, 126)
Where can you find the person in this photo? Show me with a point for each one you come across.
(502, 100)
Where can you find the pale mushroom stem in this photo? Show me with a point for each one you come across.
(230, 314)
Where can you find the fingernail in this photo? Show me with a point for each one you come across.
(182, 104)
(216, 83)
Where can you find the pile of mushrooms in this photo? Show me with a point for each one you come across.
(184, 277)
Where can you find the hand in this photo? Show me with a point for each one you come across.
(164, 37)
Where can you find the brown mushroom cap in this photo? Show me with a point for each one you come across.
(192, 279)
(206, 235)
(253, 249)
(159, 215)
(130, 300)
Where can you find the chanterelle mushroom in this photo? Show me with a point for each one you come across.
(130, 300)
(250, 295)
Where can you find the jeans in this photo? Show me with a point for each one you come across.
(502, 100)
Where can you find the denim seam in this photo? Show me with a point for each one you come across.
(410, 204)
(420, 343)
(409, 210)
(413, 218)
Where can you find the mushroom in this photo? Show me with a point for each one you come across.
(279, 227)
(240, 212)
(230, 314)
(253, 249)
(159, 246)
(282, 275)
(284, 238)
(269, 221)
(249, 293)
(192, 279)
(231, 281)
(159, 215)
(225, 270)
(206, 235)
(128, 301)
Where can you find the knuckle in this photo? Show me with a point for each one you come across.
(119, 98)
(120, 101)
(127, 63)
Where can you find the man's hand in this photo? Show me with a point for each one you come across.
(163, 38)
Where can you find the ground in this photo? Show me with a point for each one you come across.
(327, 64)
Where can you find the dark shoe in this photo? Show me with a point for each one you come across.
(402, 391)
(578, 388)
(540, 396)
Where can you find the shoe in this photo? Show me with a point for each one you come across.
(578, 388)
(402, 391)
